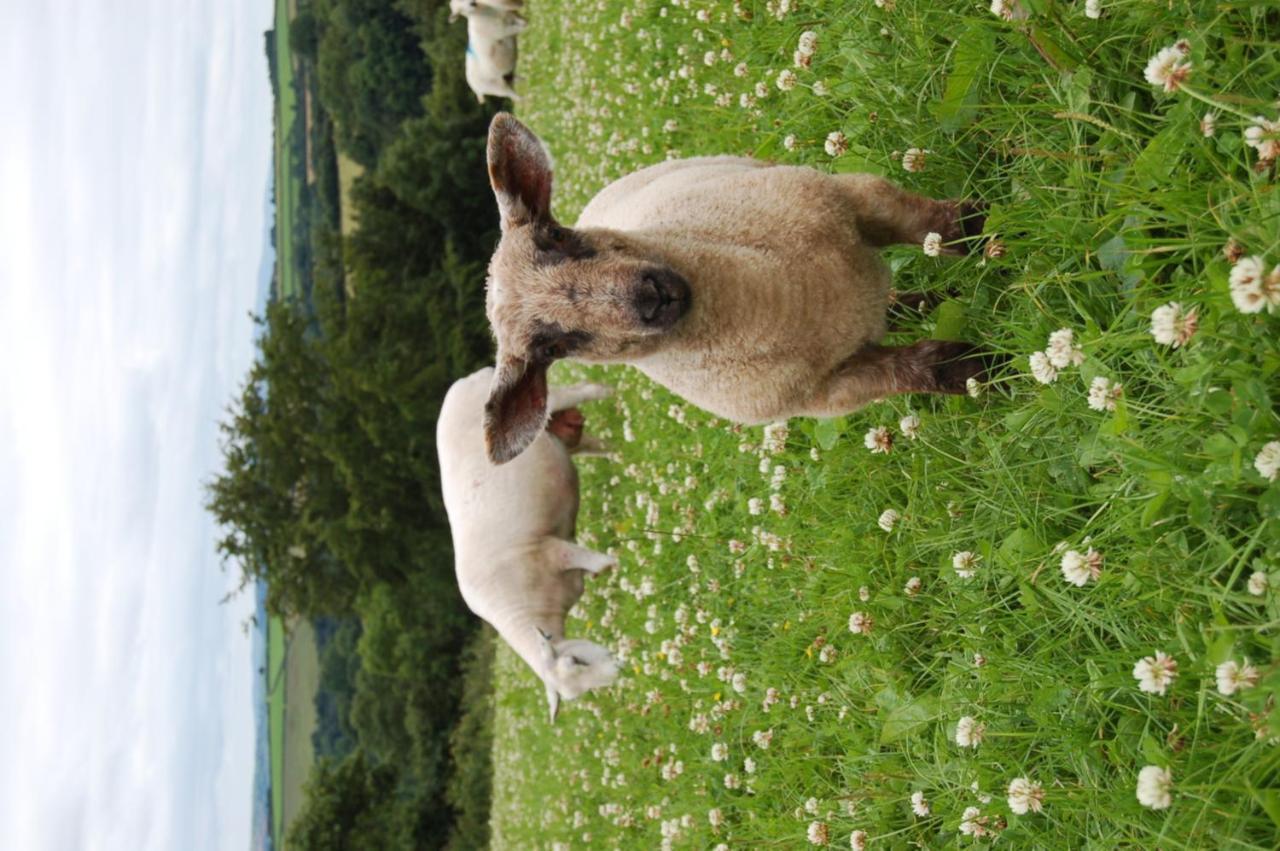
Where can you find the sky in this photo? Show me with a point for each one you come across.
(135, 145)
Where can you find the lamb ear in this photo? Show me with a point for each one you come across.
(519, 172)
(516, 412)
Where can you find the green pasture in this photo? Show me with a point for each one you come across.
(793, 671)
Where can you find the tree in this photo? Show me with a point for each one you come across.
(348, 806)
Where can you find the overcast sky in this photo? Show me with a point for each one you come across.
(135, 142)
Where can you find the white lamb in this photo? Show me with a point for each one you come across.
(517, 564)
(491, 47)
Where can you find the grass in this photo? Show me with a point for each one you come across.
(301, 678)
(1110, 202)
(276, 652)
(288, 193)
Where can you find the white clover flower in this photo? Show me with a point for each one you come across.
(827, 654)
(1009, 10)
(749, 765)
(732, 781)
(973, 387)
(1167, 70)
(909, 426)
(741, 70)
(932, 244)
(965, 564)
(1092, 9)
(818, 833)
(1078, 568)
(879, 440)
(1233, 677)
(755, 506)
(808, 43)
(914, 159)
(789, 141)
(1209, 124)
(887, 5)
(719, 752)
(1154, 785)
(979, 660)
(1170, 326)
(1025, 796)
(858, 840)
(739, 682)
(670, 125)
(888, 518)
(860, 623)
(1267, 461)
(919, 804)
(864, 593)
(1103, 394)
(973, 823)
(1264, 137)
(820, 88)
(1249, 291)
(1155, 673)
(762, 90)
(1042, 369)
(786, 80)
(913, 586)
(1258, 582)
(762, 738)
(1062, 350)
(969, 732)
(777, 504)
(836, 144)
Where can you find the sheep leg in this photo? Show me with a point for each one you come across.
(929, 366)
(887, 214)
(572, 395)
(569, 556)
(590, 447)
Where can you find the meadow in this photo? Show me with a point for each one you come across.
(1042, 615)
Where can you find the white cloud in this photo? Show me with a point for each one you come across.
(134, 159)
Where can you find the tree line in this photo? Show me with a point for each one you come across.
(330, 488)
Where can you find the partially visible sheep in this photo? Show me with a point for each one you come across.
(491, 47)
(465, 7)
(756, 291)
(516, 562)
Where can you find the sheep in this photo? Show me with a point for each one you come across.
(754, 290)
(491, 47)
(465, 7)
(516, 562)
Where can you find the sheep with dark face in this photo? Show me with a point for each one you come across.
(516, 562)
(756, 291)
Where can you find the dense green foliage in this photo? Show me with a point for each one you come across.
(330, 490)
(744, 560)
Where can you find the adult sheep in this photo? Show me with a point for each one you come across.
(755, 291)
(491, 47)
(516, 562)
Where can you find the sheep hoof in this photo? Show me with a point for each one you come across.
(970, 221)
(958, 362)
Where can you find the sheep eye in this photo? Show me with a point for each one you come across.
(556, 234)
(578, 661)
(551, 351)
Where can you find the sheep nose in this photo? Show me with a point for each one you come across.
(650, 299)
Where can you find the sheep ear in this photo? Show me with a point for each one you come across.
(519, 171)
(553, 703)
(516, 412)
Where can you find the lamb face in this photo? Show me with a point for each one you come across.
(573, 666)
(555, 292)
